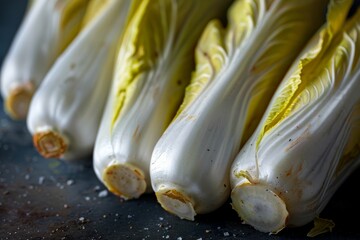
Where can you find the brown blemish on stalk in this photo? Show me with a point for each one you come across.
(288, 172)
(156, 93)
(18, 101)
(300, 183)
(190, 117)
(50, 144)
(297, 171)
(300, 139)
(137, 134)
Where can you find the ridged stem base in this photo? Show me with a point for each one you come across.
(176, 202)
(18, 102)
(259, 207)
(124, 180)
(50, 144)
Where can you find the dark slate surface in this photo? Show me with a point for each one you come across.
(50, 199)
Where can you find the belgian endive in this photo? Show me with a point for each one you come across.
(154, 65)
(65, 112)
(308, 141)
(47, 29)
(238, 70)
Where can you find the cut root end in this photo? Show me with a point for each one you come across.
(259, 207)
(177, 203)
(18, 102)
(125, 180)
(50, 144)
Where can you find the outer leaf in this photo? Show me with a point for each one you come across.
(293, 92)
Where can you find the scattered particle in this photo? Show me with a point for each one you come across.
(41, 180)
(218, 228)
(87, 198)
(70, 182)
(116, 214)
(97, 188)
(81, 219)
(66, 206)
(27, 177)
(179, 238)
(199, 239)
(57, 215)
(161, 218)
(167, 236)
(226, 234)
(103, 194)
(146, 229)
(207, 231)
(129, 216)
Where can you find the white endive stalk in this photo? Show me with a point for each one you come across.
(308, 141)
(65, 112)
(47, 29)
(154, 65)
(238, 69)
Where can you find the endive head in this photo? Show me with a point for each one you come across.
(308, 140)
(56, 112)
(48, 28)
